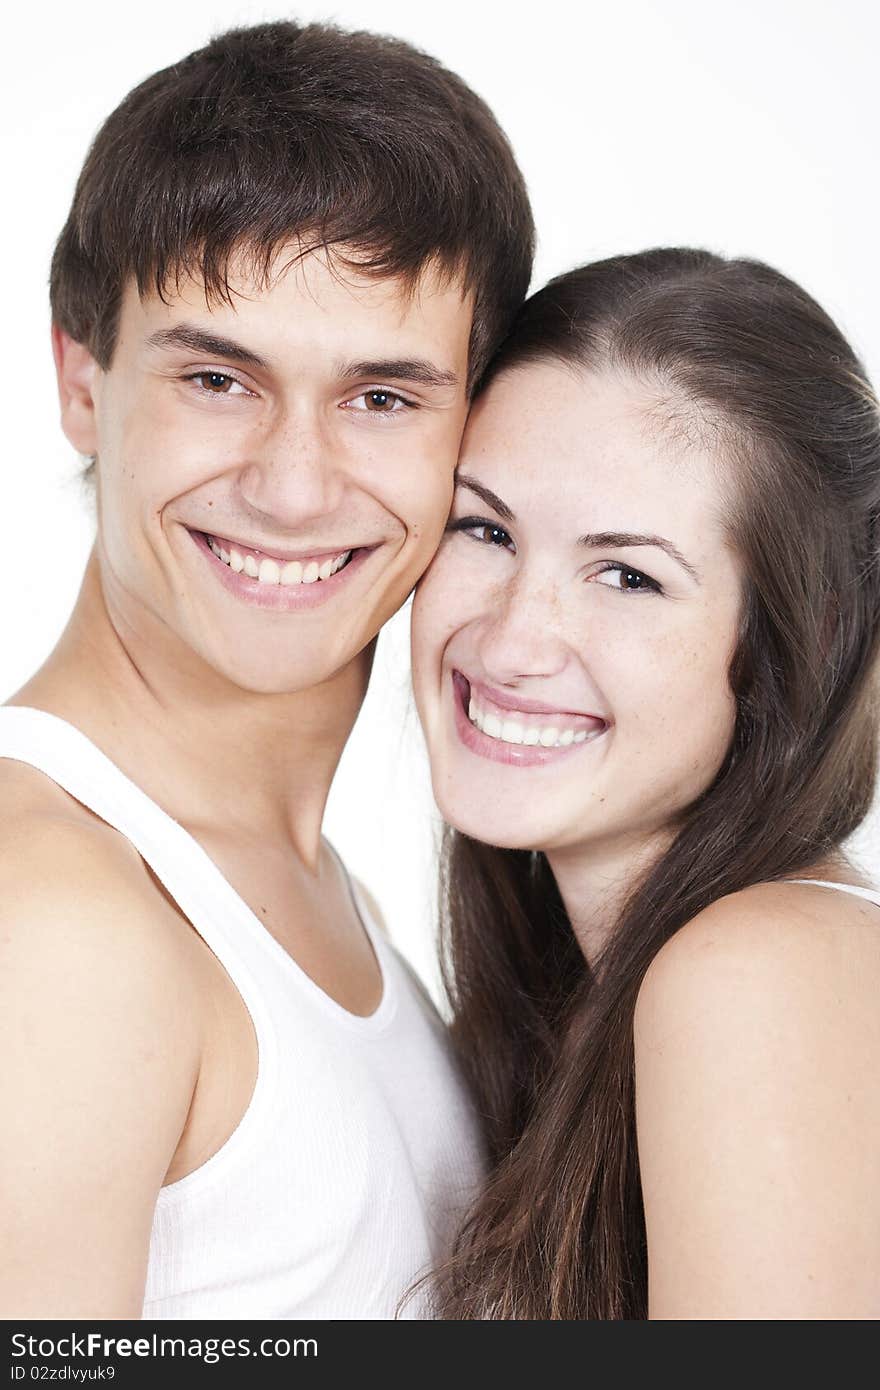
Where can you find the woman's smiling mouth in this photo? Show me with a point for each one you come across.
(498, 725)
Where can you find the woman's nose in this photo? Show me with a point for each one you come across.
(523, 633)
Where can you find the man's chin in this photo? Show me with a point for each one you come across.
(347, 673)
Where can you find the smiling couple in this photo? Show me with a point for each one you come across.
(644, 657)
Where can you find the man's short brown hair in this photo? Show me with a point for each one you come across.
(282, 132)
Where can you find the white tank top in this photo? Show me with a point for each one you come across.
(359, 1150)
(871, 895)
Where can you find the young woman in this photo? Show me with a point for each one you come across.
(645, 661)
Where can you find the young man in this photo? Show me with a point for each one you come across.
(287, 259)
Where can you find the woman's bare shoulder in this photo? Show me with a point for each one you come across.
(757, 1047)
(783, 936)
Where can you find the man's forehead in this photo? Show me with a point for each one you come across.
(322, 281)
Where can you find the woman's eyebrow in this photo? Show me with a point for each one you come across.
(490, 498)
(597, 540)
(593, 539)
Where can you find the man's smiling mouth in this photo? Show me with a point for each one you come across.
(273, 569)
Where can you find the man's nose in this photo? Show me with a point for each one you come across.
(294, 473)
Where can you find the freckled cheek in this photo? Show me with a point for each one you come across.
(418, 494)
(442, 609)
(683, 697)
(657, 676)
(154, 462)
(428, 510)
(708, 675)
(430, 635)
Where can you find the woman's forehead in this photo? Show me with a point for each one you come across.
(545, 427)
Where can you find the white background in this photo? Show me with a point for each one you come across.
(748, 128)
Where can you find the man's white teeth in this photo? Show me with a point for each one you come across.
(513, 731)
(271, 572)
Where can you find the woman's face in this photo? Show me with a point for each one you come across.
(572, 638)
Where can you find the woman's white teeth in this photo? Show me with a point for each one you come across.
(513, 731)
(271, 572)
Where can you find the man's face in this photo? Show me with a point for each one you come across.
(274, 474)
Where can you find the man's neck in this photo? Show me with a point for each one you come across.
(211, 754)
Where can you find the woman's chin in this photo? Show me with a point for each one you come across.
(488, 827)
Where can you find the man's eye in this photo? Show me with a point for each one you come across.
(626, 580)
(217, 383)
(379, 402)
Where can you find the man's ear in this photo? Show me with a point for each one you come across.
(77, 372)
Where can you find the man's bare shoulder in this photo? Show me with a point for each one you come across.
(100, 1046)
(37, 818)
(73, 889)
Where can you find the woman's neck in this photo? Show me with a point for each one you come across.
(595, 882)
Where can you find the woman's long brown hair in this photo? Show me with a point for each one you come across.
(749, 362)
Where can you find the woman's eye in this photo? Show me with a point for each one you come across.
(379, 402)
(491, 535)
(486, 532)
(217, 383)
(626, 580)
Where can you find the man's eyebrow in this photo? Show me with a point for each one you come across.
(186, 335)
(413, 369)
(598, 540)
(490, 498)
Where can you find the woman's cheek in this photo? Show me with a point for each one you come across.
(464, 584)
(437, 589)
(434, 620)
